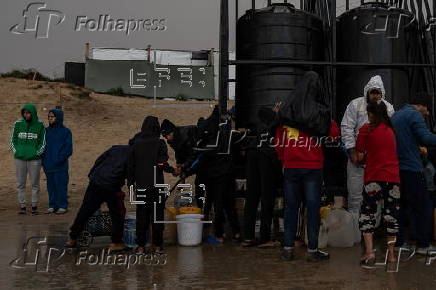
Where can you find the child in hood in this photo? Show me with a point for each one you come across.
(59, 147)
(27, 143)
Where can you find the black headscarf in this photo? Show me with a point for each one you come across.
(150, 128)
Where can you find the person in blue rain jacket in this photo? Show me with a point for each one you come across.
(59, 147)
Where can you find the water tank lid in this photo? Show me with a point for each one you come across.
(278, 8)
(375, 5)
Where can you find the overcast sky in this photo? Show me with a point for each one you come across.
(190, 24)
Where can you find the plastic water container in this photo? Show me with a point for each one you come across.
(341, 228)
(130, 230)
(189, 229)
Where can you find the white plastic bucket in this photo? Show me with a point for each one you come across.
(189, 229)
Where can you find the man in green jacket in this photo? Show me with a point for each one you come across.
(28, 144)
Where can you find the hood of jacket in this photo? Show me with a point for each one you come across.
(375, 82)
(59, 114)
(150, 127)
(32, 109)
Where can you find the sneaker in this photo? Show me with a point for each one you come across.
(317, 256)
(287, 254)
(22, 210)
(214, 240)
(425, 251)
(50, 210)
(35, 210)
(61, 211)
(368, 263)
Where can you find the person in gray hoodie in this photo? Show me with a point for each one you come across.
(355, 117)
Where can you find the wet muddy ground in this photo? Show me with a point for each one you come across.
(225, 266)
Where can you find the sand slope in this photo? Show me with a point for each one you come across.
(97, 122)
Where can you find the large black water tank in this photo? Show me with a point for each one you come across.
(277, 32)
(375, 33)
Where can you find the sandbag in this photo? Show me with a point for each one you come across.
(340, 228)
(307, 109)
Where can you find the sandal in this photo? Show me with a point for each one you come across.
(236, 238)
(71, 244)
(269, 245)
(249, 243)
(140, 250)
(158, 251)
(117, 248)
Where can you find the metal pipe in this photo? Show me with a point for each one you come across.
(327, 63)
(434, 55)
(347, 5)
(434, 9)
(236, 12)
(253, 4)
(333, 19)
(224, 57)
(269, 2)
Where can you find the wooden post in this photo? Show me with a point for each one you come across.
(210, 61)
(60, 98)
(149, 53)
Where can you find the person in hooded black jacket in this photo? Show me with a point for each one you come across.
(217, 167)
(183, 140)
(197, 145)
(106, 178)
(263, 180)
(146, 163)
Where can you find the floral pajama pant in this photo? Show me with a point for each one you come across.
(373, 193)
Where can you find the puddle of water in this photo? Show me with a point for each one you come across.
(206, 267)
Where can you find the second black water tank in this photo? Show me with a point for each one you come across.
(277, 32)
(376, 33)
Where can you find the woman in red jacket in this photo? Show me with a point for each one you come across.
(376, 147)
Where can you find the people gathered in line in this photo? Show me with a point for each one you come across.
(385, 173)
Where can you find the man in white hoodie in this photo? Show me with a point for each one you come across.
(355, 117)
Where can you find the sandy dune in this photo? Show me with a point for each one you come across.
(97, 121)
